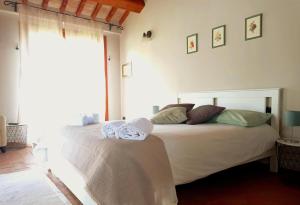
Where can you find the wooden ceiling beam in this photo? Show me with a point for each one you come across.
(123, 18)
(80, 7)
(96, 11)
(63, 6)
(110, 15)
(45, 4)
(129, 5)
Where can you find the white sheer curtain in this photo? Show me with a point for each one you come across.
(62, 75)
(85, 63)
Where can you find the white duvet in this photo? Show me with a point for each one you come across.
(196, 151)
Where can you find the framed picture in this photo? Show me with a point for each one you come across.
(192, 43)
(253, 27)
(218, 36)
(127, 69)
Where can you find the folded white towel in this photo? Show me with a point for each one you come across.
(109, 128)
(137, 129)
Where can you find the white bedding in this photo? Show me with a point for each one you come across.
(196, 151)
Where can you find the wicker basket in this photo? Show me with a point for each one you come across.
(289, 157)
(17, 135)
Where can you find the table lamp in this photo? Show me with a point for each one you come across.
(292, 119)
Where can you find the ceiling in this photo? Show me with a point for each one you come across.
(110, 11)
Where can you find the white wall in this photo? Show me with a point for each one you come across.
(114, 87)
(9, 65)
(162, 68)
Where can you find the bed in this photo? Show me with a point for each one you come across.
(196, 151)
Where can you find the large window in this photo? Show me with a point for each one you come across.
(62, 75)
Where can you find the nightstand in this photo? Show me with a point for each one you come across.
(288, 151)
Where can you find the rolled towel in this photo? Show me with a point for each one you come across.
(109, 128)
(137, 129)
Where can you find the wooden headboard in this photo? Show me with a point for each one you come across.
(262, 100)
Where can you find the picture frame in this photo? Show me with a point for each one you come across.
(127, 69)
(253, 27)
(218, 36)
(192, 43)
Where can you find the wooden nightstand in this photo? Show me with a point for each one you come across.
(288, 151)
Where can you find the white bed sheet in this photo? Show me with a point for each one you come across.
(196, 151)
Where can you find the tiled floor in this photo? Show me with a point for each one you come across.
(16, 160)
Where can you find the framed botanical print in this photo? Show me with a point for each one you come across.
(218, 36)
(253, 27)
(192, 43)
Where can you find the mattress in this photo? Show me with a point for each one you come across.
(196, 151)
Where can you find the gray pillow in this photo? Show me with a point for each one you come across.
(173, 115)
(188, 106)
(203, 114)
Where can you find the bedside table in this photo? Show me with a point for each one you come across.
(288, 152)
(16, 135)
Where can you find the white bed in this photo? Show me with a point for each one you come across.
(196, 151)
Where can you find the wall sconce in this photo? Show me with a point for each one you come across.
(147, 34)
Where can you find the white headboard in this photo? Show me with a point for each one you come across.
(262, 100)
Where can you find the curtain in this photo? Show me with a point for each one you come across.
(86, 65)
(62, 73)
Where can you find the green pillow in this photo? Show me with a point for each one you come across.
(174, 115)
(244, 118)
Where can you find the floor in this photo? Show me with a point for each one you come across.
(29, 187)
(252, 184)
(16, 160)
(20, 159)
